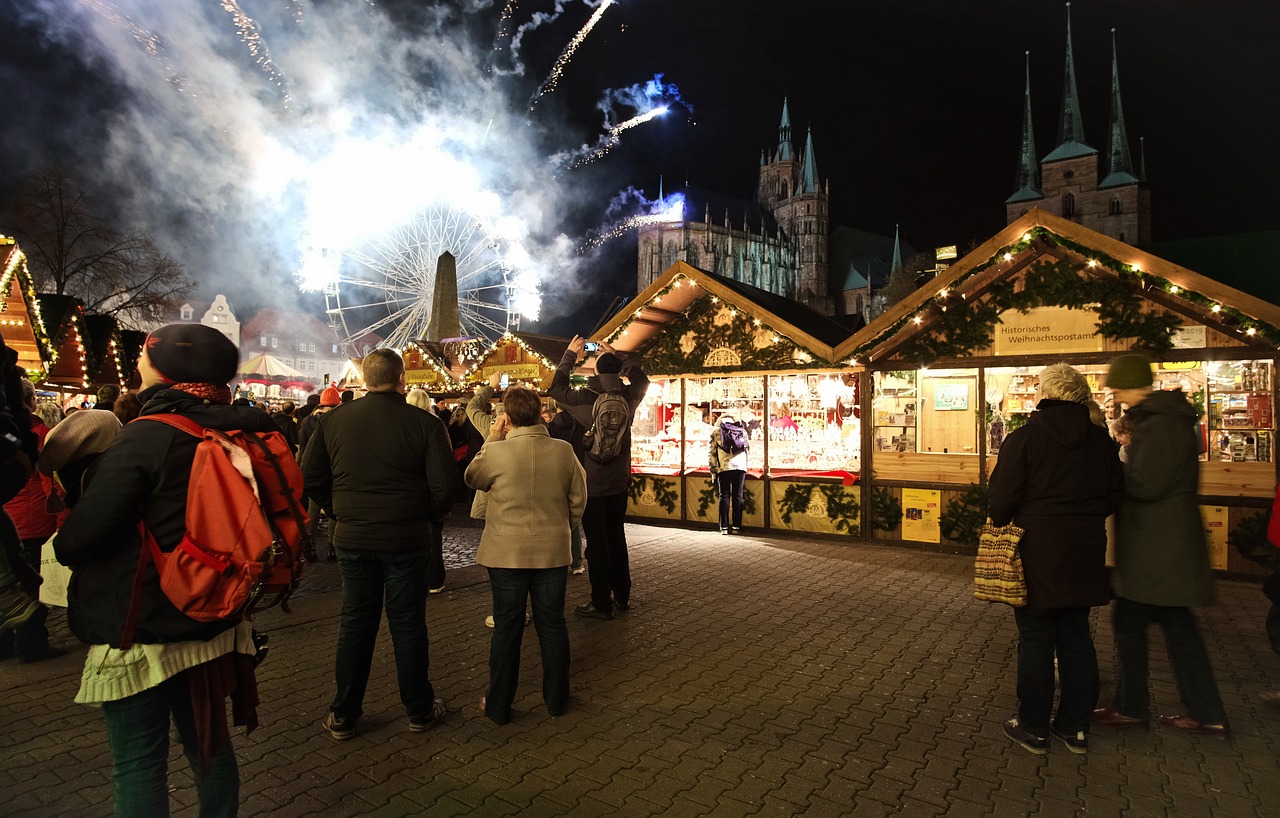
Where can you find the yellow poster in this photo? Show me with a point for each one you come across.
(920, 510)
(1047, 329)
(1215, 531)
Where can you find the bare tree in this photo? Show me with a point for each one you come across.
(72, 250)
(903, 282)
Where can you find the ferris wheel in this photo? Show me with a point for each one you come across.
(387, 287)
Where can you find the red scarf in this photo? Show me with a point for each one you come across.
(211, 392)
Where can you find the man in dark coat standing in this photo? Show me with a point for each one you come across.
(608, 564)
(1162, 559)
(384, 471)
(1058, 478)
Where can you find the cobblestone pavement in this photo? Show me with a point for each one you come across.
(753, 676)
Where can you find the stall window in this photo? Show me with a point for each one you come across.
(814, 423)
(656, 433)
(709, 399)
(1241, 421)
(894, 407)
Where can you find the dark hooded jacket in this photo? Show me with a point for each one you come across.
(603, 479)
(144, 474)
(1162, 557)
(1059, 478)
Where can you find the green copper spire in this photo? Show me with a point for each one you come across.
(1070, 127)
(809, 171)
(1119, 161)
(784, 134)
(1028, 181)
(896, 264)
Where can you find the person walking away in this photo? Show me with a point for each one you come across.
(1162, 560)
(603, 522)
(1058, 478)
(728, 465)
(329, 399)
(288, 424)
(33, 525)
(18, 454)
(178, 669)
(562, 426)
(537, 492)
(385, 473)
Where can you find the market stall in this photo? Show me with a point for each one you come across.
(954, 368)
(20, 322)
(102, 348)
(526, 358)
(67, 366)
(710, 345)
(426, 367)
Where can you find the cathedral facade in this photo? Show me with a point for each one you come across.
(1104, 192)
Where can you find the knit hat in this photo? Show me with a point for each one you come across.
(89, 431)
(192, 353)
(330, 396)
(608, 364)
(1129, 372)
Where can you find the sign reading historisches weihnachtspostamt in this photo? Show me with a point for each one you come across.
(1047, 329)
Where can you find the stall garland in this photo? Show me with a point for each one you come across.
(709, 496)
(964, 516)
(1249, 537)
(712, 335)
(886, 510)
(17, 274)
(958, 332)
(651, 490)
(841, 505)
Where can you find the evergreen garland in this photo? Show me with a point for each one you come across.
(842, 506)
(665, 352)
(663, 490)
(1249, 537)
(709, 495)
(965, 515)
(886, 510)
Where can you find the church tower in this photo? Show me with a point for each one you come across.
(790, 189)
(1067, 182)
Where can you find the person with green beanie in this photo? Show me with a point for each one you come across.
(1162, 560)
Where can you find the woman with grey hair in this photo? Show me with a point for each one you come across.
(1058, 478)
(418, 397)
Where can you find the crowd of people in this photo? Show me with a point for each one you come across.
(382, 473)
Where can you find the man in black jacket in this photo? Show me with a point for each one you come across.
(384, 470)
(608, 564)
(180, 669)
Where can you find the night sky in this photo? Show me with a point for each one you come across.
(915, 107)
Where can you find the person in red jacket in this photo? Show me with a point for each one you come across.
(30, 640)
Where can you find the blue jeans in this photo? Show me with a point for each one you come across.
(730, 485)
(608, 564)
(138, 731)
(1063, 632)
(368, 576)
(511, 588)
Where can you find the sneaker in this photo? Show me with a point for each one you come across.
(341, 729)
(622, 604)
(1029, 741)
(581, 569)
(435, 590)
(1077, 742)
(590, 611)
(488, 621)
(421, 724)
(16, 608)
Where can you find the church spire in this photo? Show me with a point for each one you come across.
(809, 170)
(1119, 161)
(784, 134)
(896, 264)
(1070, 126)
(1028, 180)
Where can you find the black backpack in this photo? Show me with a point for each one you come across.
(610, 420)
(733, 437)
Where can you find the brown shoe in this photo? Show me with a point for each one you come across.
(1111, 717)
(1189, 725)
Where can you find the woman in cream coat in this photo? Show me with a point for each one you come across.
(537, 491)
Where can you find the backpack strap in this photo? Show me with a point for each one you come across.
(295, 510)
(179, 422)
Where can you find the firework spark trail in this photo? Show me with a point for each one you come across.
(673, 212)
(611, 139)
(505, 18)
(557, 70)
(537, 20)
(150, 43)
(249, 35)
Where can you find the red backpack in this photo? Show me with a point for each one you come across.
(246, 528)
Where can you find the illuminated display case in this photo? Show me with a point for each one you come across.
(656, 428)
(706, 401)
(895, 407)
(1240, 412)
(814, 423)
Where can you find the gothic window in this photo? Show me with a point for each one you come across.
(858, 306)
(1115, 206)
(1068, 204)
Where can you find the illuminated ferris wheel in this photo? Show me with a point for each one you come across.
(388, 286)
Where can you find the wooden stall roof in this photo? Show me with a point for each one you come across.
(431, 356)
(67, 366)
(545, 350)
(21, 325)
(131, 341)
(651, 311)
(102, 350)
(881, 335)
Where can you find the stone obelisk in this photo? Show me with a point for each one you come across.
(444, 301)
